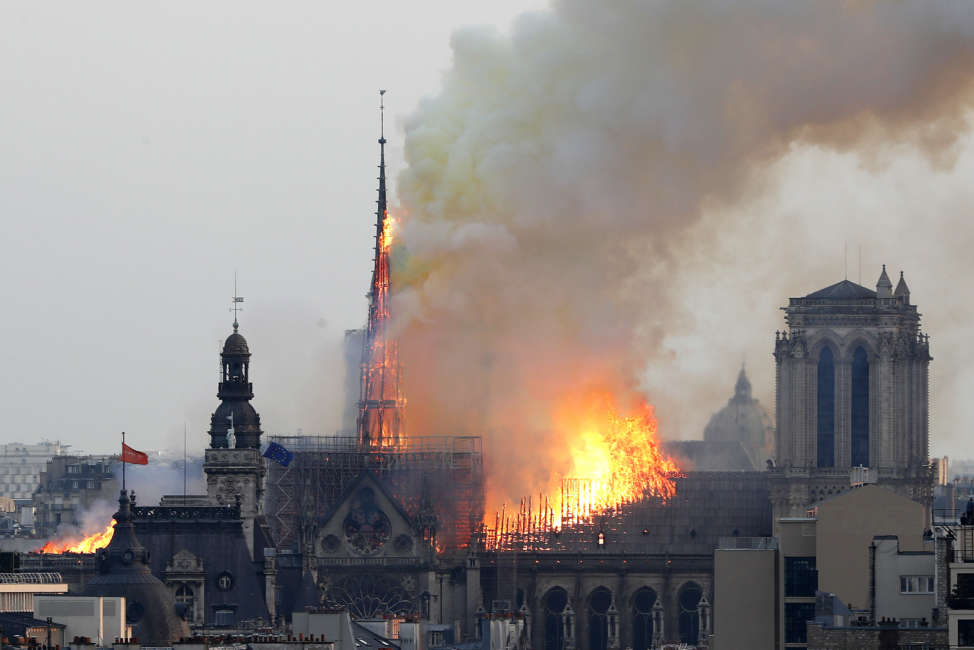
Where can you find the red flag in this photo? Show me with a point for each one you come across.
(134, 457)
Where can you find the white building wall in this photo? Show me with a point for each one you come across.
(890, 565)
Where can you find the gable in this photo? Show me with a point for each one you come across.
(367, 523)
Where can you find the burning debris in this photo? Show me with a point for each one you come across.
(73, 544)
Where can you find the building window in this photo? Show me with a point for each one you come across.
(826, 408)
(223, 618)
(801, 576)
(916, 584)
(184, 597)
(965, 632)
(554, 628)
(598, 620)
(689, 597)
(860, 408)
(796, 614)
(642, 619)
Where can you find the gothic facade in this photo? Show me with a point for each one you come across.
(851, 395)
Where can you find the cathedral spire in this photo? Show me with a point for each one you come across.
(381, 404)
(380, 213)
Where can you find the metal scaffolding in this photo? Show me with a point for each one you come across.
(446, 471)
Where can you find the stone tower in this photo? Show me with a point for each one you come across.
(851, 392)
(234, 466)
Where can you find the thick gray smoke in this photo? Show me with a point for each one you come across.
(578, 183)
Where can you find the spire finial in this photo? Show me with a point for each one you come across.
(236, 301)
(382, 117)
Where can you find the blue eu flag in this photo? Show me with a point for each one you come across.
(279, 453)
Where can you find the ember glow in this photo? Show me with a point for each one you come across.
(88, 544)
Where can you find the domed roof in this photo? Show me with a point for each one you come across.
(743, 420)
(123, 571)
(236, 344)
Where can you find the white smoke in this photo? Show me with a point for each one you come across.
(578, 184)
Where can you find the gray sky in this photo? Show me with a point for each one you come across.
(148, 150)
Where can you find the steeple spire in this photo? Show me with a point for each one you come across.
(381, 404)
(380, 213)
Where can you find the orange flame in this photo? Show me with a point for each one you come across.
(389, 224)
(88, 544)
(616, 459)
(613, 460)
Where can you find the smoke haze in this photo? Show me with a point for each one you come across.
(608, 198)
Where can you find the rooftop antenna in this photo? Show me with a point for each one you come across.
(184, 463)
(845, 254)
(860, 263)
(236, 301)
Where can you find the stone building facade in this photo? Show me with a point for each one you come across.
(851, 392)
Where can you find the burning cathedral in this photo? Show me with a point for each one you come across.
(388, 523)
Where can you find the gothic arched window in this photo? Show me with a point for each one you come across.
(598, 618)
(860, 408)
(689, 597)
(826, 408)
(642, 619)
(554, 629)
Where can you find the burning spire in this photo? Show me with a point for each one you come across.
(380, 417)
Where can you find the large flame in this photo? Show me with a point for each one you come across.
(618, 456)
(614, 459)
(88, 544)
(389, 224)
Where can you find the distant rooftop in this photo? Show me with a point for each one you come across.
(844, 290)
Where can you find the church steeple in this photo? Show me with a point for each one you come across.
(235, 414)
(380, 419)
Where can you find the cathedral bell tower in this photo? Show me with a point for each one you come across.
(234, 466)
(852, 400)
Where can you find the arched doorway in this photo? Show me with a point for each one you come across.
(599, 602)
(689, 597)
(642, 618)
(555, 602)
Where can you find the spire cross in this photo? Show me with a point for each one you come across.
(234, 307)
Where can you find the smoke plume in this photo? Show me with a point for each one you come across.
(558, 187)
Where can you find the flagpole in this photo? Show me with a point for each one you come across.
(123, 461)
